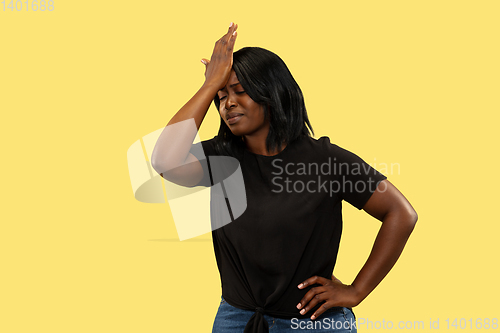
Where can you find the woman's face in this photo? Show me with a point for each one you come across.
(241, 114)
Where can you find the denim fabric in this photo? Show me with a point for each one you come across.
(230, 319)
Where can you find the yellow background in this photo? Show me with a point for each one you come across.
(414, 83)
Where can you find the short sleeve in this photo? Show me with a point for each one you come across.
(201, 150)
(355, 180)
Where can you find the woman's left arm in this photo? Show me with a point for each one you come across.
(398, 218)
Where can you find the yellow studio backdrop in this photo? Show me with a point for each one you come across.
(403, 83)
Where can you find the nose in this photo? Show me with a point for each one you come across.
(230, 102)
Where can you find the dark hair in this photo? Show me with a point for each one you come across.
(267, 80)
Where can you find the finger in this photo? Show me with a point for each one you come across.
(232, 40)
(205, 62)
(316, 299)
(227, 37)
(325, 306)
(234, 33)
(312, 280)
(224, 39)
(304, 302)
(231, 29)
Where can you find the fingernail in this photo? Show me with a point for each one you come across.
(313, 317)
(203, 61)
(300, 285)
(231, 24)
(302, 311)
(234, 33)
(299, 306)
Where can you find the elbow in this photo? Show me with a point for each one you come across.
(155, 165)
(411, 218)
(165, 162)
(160, 159)
(160, 163)
(155, 161)
(404, 219)
(415, 217)
(160, 168)
(408, 216)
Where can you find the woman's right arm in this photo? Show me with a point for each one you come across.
(171, 157)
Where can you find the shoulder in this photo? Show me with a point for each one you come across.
(204, 148)
(322, 143)
(326, 143)
(324, 146)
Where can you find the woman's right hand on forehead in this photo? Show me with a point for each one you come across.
(218, 68)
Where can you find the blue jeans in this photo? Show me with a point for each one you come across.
(230, 319)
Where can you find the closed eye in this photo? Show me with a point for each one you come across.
(238, 92)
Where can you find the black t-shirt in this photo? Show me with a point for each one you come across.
(291, 228)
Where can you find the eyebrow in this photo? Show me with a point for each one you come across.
(232, 85)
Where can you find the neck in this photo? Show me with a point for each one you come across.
(257, 145)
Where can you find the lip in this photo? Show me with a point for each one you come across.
(232, 114)
(234, 119)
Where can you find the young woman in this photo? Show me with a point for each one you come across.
(276, 259)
